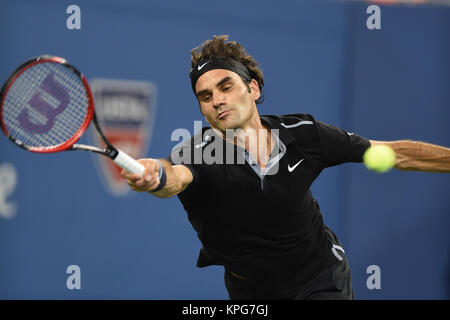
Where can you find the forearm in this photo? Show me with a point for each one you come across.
(419, 156)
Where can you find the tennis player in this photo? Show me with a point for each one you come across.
(251, 206)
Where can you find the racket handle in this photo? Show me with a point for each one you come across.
(128, 163)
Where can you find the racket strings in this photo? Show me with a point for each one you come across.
(45, 106)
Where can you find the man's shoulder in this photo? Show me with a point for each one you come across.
(300, 126)
(292, 120)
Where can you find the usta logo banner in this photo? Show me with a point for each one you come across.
(126, 112)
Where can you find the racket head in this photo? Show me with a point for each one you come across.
(46, 105)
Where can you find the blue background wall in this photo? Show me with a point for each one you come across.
(317, 57)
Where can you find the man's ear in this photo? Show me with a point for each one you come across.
(254, 87)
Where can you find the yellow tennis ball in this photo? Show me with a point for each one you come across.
(380, 158)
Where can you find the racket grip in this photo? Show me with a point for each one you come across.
(128, 163)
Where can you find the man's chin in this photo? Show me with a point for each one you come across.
(223, 128)
(226, 124)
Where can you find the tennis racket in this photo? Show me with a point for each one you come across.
(46, 105)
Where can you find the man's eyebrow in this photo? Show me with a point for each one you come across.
(224, 80)
(221, 82)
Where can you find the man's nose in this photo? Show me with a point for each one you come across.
(218, 100)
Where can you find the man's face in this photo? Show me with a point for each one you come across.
(225, 100)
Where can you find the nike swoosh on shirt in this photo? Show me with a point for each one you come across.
(200, 67)
(290, 169)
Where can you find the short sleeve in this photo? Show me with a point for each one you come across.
(340, 146)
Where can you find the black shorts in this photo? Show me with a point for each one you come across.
(331, 284)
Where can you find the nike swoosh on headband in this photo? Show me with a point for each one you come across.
(200, 67)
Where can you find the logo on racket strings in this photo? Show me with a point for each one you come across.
(49, 100)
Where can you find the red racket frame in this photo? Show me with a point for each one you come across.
(89, 114)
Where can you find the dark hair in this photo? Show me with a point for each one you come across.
(219, 47)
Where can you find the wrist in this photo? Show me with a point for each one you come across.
(161, 177)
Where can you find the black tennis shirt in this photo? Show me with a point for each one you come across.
(266, 228)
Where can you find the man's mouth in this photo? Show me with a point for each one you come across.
(223, 114)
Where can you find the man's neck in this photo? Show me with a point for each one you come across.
(253, 136)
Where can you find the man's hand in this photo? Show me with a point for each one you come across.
(178, 177)
(149, 181)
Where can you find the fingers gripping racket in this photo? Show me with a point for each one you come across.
(46, 105)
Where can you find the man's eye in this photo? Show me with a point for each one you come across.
(206, 98)
(226, 88)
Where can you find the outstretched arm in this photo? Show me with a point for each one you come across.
(178, 177)
(418, 156)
